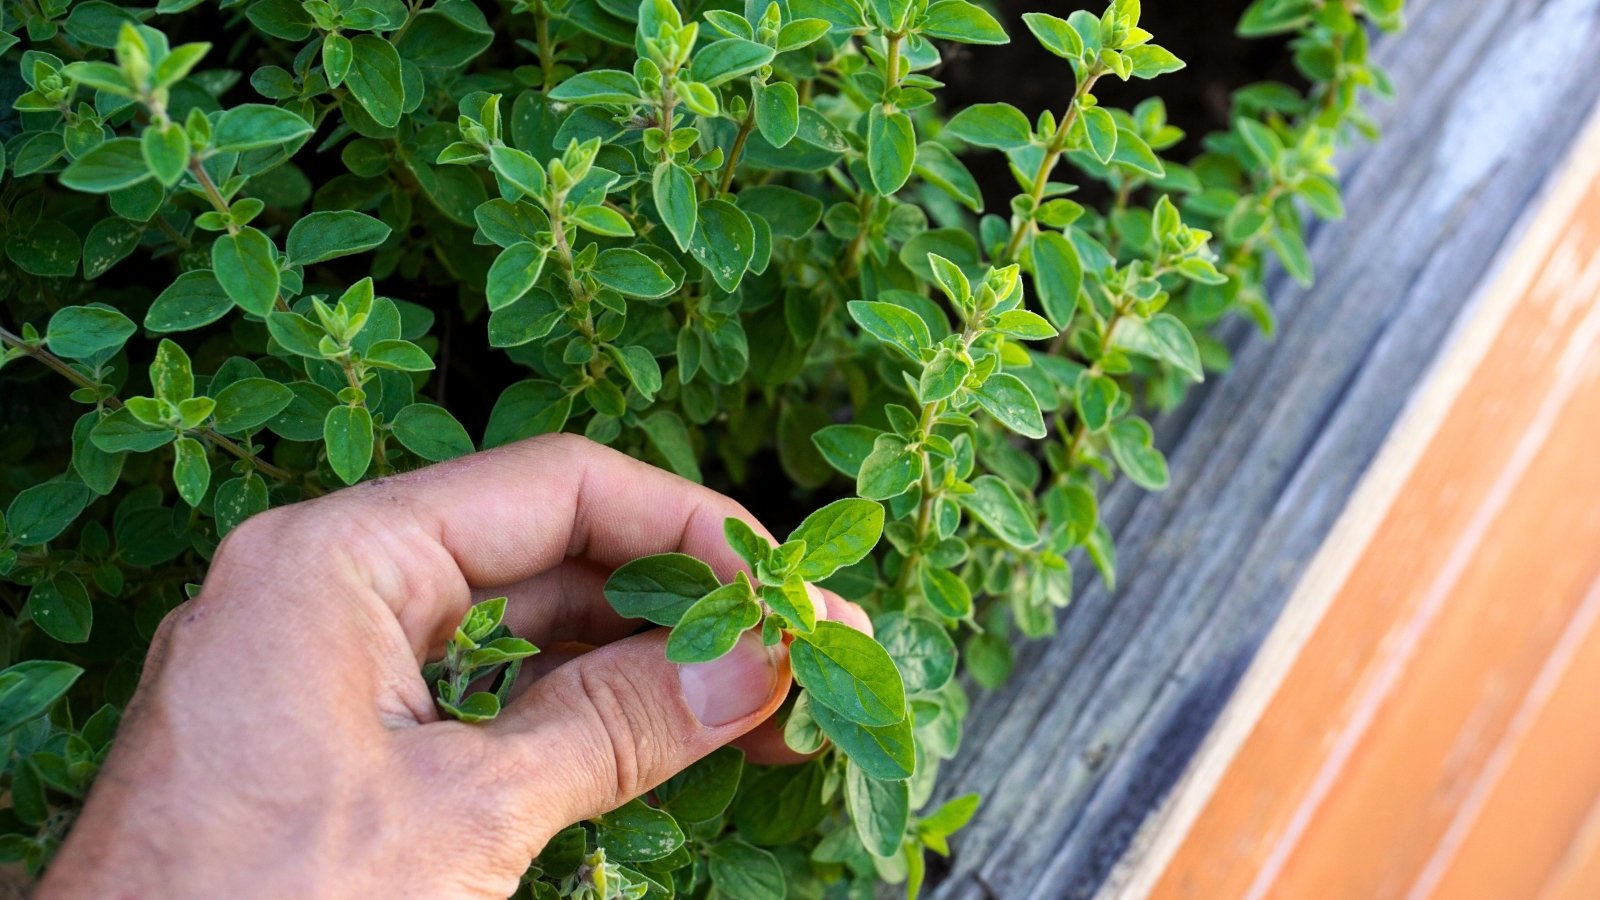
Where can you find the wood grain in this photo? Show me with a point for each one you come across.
(1428, 738)
(1100, 722)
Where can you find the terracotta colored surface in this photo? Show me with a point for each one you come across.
(1438, 732)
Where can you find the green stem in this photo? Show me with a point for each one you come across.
(1052, 154)
(59, 366)
(738, 148)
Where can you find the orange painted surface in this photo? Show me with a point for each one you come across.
(1439, 732)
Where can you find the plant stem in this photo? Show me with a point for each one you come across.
(738, 148)
(1052, 154)
(59, 366)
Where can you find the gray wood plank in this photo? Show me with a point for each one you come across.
(1099, 722)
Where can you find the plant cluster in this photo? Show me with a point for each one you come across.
(710, 235)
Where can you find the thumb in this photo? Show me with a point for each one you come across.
(617, 721)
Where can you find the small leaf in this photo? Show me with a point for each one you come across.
(1005, 397)
(998, 125)
(80, 332)
(675, 200)
(891, 148)
(838, 535)
(659, 588)
(252, 126)
(892, 324)
(326, 235)
(850, 673)
(431, 432)
(993, 503)
(712, 625)
(246, 267)
(347, 431)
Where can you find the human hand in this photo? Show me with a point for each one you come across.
(282, 741)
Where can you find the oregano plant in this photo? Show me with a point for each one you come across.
(248, 243)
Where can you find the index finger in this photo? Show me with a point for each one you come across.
(508, 514)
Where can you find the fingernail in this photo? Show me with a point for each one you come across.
(732, 686)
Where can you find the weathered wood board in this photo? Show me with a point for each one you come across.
(1099, 722)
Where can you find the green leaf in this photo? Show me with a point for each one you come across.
(993, 503)
(724, 242)
(632, 274)
(478, 707)
(845, 447)
(109, 242)
(191, 471)
(338, 54)
(1023, 325)
(838, 535)
(880, 810)
(640, 367)
(166, 151)
(659, 588)
(296, 334)
(113, 165)
(703, 791)
(599, 86)
(891, 147)
(711, 626)
(793, 602)
(940, 168)
(1058, 276)
(636, 832)
(889, 470)
(921, 648)
(602, 220)
(99, 470)
(121, 432)
(1005, 397)
(40, 513)
(893, 324)
(80, 332)
(525, 409)
(29, 688)
(431, 432)
(738, 869)
(347, 431)
(1094, 397)
(528, 319)
(942, 376)
(520, 169)
(960, 21)
(675, 201)
(885, 752)
(245, 265)
(249, 403)
(849, 672)
(1054, 34)
(47, 249)
(998, 125)
(513, 273)
(326, 235)
(778, 113)
(402, 356)
(1132, 446)
(946, 592)
(1163, 337)
(670, 437)
(60, 607)
(722, 61)
(1150, 60)
(1101, 131)
(252, 126)
(375, 80)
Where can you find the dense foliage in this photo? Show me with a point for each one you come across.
(703, 235)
